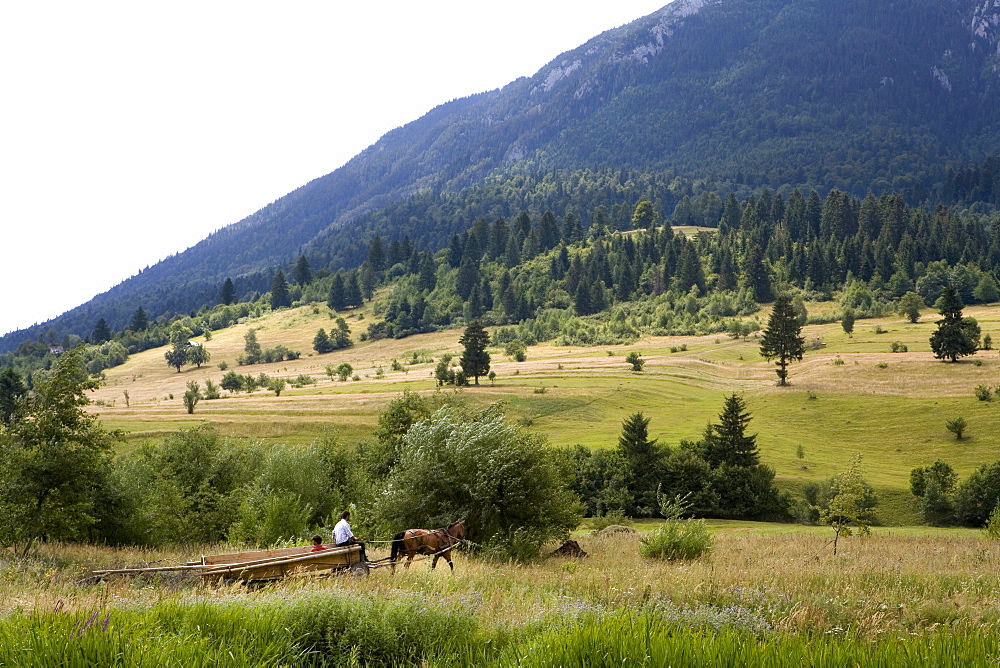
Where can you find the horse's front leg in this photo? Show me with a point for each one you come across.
(434, 561)
(409, 560)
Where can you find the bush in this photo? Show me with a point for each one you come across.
(635, 359)
(957, 427)
(676, 538)
(984, 392)
(475, 466)
(898, 347)
(992, 527)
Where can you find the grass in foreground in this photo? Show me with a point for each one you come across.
(766, 592)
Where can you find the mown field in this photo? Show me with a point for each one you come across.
(849, 395)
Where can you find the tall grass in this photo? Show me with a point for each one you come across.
(648, 640)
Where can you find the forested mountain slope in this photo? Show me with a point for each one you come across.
(738, 94)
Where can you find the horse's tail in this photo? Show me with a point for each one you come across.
(397, 545)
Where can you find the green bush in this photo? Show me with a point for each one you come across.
(676, 538)
(984, 392)
(494, 475)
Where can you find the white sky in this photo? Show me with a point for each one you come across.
(130, 131)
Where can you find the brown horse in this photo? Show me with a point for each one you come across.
(436, 542)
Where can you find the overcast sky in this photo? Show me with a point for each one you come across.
(130, 131)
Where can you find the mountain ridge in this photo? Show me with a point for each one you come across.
(737, 93)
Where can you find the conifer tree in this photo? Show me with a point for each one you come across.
(475, 360)
(336, 298)
(376, 254)
(101, 332)
(782, 340)
(727, 443)
(140, 321)
(279, 291)
(955, 336)
(643, 463)
(352, 290)
(321, 342)
(303, 272)
(228, 293)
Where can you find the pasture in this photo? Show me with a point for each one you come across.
(848, 395)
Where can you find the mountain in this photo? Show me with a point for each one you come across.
(734, 94)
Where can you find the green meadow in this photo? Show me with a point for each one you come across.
(849, 395)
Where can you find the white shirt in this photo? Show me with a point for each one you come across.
(342, 532)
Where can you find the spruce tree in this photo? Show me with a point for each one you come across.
(475, 360)
(279, 291)
(782, 340)
(303, 272)
(228, 293)
(321, 342)
(643, 463)
(140, 321)
(352, 290)
(727, 443)
(336, 298)
(376, 254)
(101, 332)
(955, 336)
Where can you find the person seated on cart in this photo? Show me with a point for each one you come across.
(343, 536)
(318, 545)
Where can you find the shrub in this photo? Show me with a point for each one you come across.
(676, 538)
(211, 390)
(984, 392)
(476, 466)
(957, 427)
(635, 359)
(898, 347)
(838, 362)
(992, 527)
(516, 350)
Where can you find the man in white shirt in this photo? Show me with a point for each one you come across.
(342, 534)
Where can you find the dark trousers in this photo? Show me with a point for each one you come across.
(347, 543)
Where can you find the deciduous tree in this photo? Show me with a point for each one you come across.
(53, 459)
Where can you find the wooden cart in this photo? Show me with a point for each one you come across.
(264, 565)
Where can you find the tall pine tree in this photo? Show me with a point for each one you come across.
(782, 340)
(955, 336)
(475, 360)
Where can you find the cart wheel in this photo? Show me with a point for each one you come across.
(359, 569)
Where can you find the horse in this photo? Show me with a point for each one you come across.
(436, 542)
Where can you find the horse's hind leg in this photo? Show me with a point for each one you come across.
(434, 561)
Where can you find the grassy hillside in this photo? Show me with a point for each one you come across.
(891, 407)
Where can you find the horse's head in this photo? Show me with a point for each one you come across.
(457, 529)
